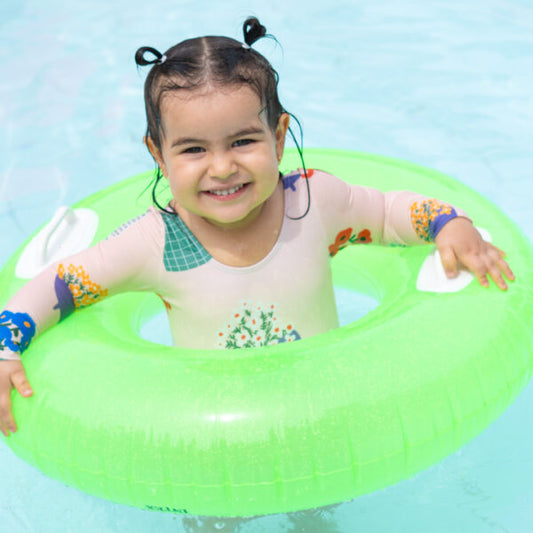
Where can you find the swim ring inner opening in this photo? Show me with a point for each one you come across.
(351, 306)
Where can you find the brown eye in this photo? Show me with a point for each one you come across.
(243, 142)
(193, 150)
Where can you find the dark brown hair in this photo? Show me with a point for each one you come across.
(221, 61)
(214, 60)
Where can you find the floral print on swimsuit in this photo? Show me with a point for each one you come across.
(290, 180)
(429, 217)
(74, 289)
(346, 237)
(256, 325)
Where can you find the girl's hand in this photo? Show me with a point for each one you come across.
(11, 375)
(460, 244)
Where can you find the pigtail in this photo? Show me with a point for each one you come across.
(253, 30)
(142, 61)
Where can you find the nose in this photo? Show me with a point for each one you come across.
(222, 165)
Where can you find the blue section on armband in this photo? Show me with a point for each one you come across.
(439, 222)
(16, 331)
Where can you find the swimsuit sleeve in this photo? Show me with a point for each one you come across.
(360, 215)
(125, 261)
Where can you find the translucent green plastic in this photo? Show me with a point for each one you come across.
(288, 427)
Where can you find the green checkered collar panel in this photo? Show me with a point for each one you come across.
(183, 251)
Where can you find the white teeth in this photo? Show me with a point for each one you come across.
(225, 192)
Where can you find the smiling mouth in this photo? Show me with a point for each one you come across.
(228, 192)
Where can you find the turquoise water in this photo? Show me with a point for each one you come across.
(440, 83)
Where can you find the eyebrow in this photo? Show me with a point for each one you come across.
(252, 130)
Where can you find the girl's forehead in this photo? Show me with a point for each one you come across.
(211, 95)
(228, 104)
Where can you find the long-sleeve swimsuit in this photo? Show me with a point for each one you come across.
(286, 296)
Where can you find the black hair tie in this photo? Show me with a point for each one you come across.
(252, 30)
(141, 60)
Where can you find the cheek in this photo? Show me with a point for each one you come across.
(267, 162)
(178, 187)
(182, 183)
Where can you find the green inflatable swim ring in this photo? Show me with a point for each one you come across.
(288, 427)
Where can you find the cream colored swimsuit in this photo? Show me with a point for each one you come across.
(286, 296)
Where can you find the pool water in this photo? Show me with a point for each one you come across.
(445, 84)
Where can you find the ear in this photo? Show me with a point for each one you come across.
(156, 154)
(281, 133)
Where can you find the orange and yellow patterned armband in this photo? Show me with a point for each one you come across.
(74, 289)
(429, 217)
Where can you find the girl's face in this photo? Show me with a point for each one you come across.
(219, 154)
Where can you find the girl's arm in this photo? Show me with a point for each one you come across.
(363, 214)
(458, 241)
(126, 261)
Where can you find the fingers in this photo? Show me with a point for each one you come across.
(496, 266)
(449, 262)
(484, 261)
(499, 250)
(502, 264)
(477, 265)
(7, 422)
(11, 375)
(20, 382)
(489, 262)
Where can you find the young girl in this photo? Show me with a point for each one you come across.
(238, 241)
